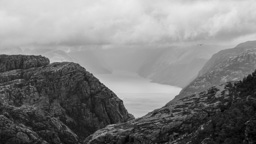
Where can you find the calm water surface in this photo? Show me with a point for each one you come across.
(140, 96)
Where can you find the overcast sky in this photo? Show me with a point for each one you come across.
(126, 22)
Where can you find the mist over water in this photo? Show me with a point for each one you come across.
(139, 95)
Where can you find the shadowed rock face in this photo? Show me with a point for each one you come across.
(52, 103)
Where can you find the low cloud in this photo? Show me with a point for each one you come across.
(119, 22)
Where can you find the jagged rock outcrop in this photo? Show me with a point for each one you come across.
(58, 103)
(222, 114)
(12, 62)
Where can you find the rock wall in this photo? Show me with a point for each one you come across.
(53, 103)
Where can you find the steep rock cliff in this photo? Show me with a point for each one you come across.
(52, 103)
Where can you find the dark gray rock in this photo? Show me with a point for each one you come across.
(250, 132)
(55, 103)
(11, 62)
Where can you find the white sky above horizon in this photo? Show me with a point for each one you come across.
(108, 23)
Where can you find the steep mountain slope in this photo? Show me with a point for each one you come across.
(52, 103)
(227, 65)
(221, 114)
(178, 65)
(223, 55)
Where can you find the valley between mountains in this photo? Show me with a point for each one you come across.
(63, 103)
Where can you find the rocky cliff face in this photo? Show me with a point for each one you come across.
(52, 103)
(227, 65)
(221, 114)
